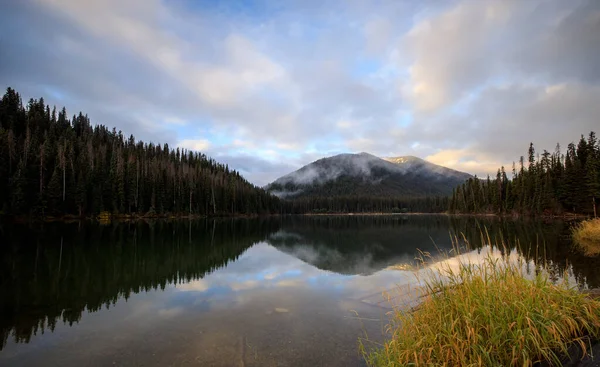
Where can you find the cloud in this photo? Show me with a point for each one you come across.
(197, 145)
(475, 43)
(545, 115)
(254, 167)
(465, 160)
(273, 86)
(450, 51)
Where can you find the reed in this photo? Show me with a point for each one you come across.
(586, 236)
(489, 314)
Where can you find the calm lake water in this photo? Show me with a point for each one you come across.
(292, 291)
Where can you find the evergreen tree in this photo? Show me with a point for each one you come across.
(50, 165)
(551, 184)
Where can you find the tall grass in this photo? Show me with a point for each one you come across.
(586, 236)
(489, 314)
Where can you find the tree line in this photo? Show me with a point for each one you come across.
(367, 204)
(51, 165)
(541, 184)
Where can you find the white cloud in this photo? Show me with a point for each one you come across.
(378, 33)
(198, 145)
(459, 81)
(466, 160)
(176, 121)
(450, 52)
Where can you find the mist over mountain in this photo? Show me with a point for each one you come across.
(415, 165)
(366, 175)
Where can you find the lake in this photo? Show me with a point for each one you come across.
(277, 291)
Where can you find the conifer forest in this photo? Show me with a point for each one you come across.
(51, 165)
(540, 184)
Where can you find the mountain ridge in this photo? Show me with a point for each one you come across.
(364, 174)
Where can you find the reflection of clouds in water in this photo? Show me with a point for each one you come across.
(265, 267)
(310, 255)
(441, 266)
(331, 258)
(258, 259)
(381, 281)
(170, 312)
(271, 276)
(285, 235)
(262, 266)
(229, 301)
(264, 271)
(139, 308)
(291, 283)
(475, 257)
(245, 285)
(199, 285)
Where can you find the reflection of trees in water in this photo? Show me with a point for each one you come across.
(360, 244)
(42, 282)
(340, 243)
(56, 272)
(546, 243)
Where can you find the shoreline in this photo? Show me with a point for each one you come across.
(121, 218)
(567, 216)
(460, 314)
(107, 217)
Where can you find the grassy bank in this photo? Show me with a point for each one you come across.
(586, 236)
(489, 314)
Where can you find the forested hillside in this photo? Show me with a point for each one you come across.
(364, 175)
(364, 183)
(547, 183)
(51, 165)
(367, 204)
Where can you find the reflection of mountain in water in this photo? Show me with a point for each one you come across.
(43, 282)
(59, 271)
(364, 245)
(361, 245)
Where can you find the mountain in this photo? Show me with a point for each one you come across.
(421, 166)
(365, 175)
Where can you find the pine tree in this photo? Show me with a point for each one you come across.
(51, 164)
(592, 180)
(592, 170)
(54, 192)
(549, 184)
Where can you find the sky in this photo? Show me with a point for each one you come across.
(269, 86)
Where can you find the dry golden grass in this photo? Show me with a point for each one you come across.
(489, 314)
(586, 236)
